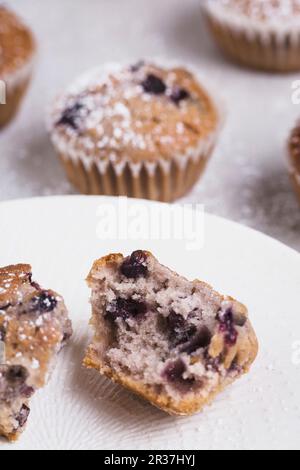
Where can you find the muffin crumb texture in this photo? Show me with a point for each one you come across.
(174, 342)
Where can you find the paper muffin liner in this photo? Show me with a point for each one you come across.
(270, 46)
(163, 180)
(16, 84)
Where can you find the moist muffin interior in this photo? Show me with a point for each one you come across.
(163, 331)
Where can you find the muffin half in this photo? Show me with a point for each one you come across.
(34, 326)
(174, 342)
(140, 131)
(17, 53)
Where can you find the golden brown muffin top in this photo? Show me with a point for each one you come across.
(136, 113)
(264, 10)
(16, 42)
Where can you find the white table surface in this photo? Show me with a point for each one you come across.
(247, 179)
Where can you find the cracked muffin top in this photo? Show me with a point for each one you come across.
(138, 112)
(261, 10)
(17, 44)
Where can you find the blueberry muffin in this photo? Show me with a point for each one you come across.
(260, 34)
(34, 326)
(17, 52)
(140, 131)
(294, 157)
(175, 343)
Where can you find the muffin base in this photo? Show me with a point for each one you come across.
(257, 49)
(165, 181)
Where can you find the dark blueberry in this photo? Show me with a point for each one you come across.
(136, 67)
(22, 416)
(2, 333)
(180, 331)
(135, 265)
(44, 303)
(154, 85)
(179, 94)
(201, 339)
(125, 308)
(16, 375)
(226, 320)
(70, 116)
(175, 370)
(173, 373)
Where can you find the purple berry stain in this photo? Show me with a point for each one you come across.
(135, 266)
(180, 331)
(173, 373)
(124, 309)
(226, 321)
(200, 340)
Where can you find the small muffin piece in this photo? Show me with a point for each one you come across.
(174, 342)
(14, 400)
(294, 157)
(263, 34)
(17, 53)
(34, 326)
(141, 130)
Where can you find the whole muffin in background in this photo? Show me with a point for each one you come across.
(262, 34)
(140, 131)
(17, 52)
(294, 157)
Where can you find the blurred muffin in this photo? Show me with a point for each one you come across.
(17, 51)
(263, 34)
(294, 156)
(140, 131)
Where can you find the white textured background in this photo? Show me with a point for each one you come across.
(247, 179)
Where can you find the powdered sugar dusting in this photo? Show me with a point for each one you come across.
(264, 10)
(112, 112)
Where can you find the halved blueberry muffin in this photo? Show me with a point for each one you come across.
(34, 326)
(174, 342)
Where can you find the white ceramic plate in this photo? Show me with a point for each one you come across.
(79, 410)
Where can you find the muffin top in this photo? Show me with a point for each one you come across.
(138, 112)
(261, 10)
(16, 42)
(294, 148)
